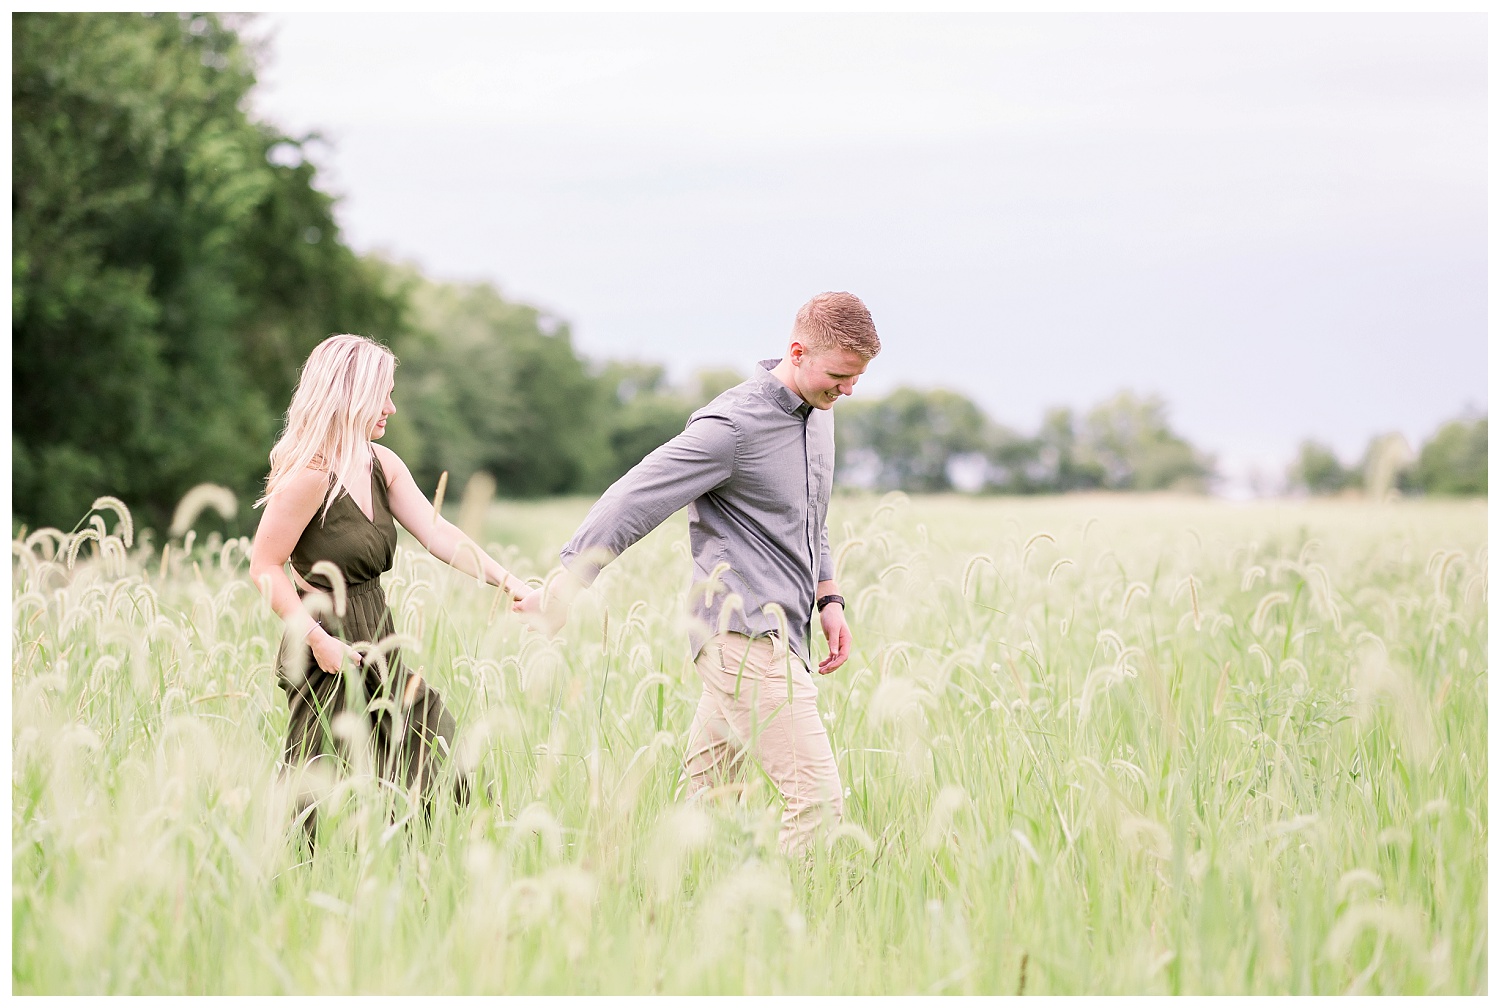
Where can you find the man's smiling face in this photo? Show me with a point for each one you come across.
(820, 377)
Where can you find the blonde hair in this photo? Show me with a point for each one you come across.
(837, 319)
(337, 402)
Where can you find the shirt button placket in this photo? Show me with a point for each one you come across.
(810, 522)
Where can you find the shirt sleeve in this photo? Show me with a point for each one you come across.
(698, 460)
(825, 558)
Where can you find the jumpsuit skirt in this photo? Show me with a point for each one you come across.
(410, 732)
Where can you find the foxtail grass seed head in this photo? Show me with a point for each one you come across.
(1059, 565)
(437, 498)
(972, 567)
(200, 498)
(335, 577)
(1263, 610)
(126, 527)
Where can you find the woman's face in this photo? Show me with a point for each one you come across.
(386, 410)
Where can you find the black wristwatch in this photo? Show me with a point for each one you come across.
(827, 600)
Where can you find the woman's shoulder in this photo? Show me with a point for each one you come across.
(297, 495)
(390, 463)
(308, 483)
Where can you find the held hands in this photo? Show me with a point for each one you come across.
(517, 590)
(839, 638)
(545, 611)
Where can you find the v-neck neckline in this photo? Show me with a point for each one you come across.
(371, 516)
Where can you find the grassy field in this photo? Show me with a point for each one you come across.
(1115, 745)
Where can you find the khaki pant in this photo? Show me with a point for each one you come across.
(761, 699)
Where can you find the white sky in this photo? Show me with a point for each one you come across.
(1278, 223)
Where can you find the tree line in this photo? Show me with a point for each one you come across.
(939, 440)
(174, 261)
(1454, 461)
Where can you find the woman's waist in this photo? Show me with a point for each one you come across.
(352, 589)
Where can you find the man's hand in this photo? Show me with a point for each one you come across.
(839, 638)
(547, 611)
(542, 617)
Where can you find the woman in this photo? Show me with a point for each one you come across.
(332, 495)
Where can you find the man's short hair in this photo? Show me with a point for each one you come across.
(837, 319)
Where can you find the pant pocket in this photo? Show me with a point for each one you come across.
(739, 660)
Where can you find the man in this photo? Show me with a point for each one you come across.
(754, 468)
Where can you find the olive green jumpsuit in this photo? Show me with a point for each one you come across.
(363, 549)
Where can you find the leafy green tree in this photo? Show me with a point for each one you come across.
(914, 440)
(1455, 461)
(710, 382)
(1064, 466)
(172, 264)
(487, 383)
(644, 411)
(914, 434)
(1128, 439)
(1014, 463)
(1318, 470)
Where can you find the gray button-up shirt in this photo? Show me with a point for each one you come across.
(754, 468)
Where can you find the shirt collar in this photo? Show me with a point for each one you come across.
(782, 396)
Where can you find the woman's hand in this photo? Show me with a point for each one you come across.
(328, 651)
(542, 618)
(547, 611)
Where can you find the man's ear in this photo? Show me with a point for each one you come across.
(796, 351)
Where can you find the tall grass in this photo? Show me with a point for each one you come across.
(1090, 745)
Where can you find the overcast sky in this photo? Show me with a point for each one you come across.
(1277, 223)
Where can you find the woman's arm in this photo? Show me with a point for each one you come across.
(439, 536)
(287, 514)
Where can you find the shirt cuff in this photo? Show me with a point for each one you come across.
(580, 566)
